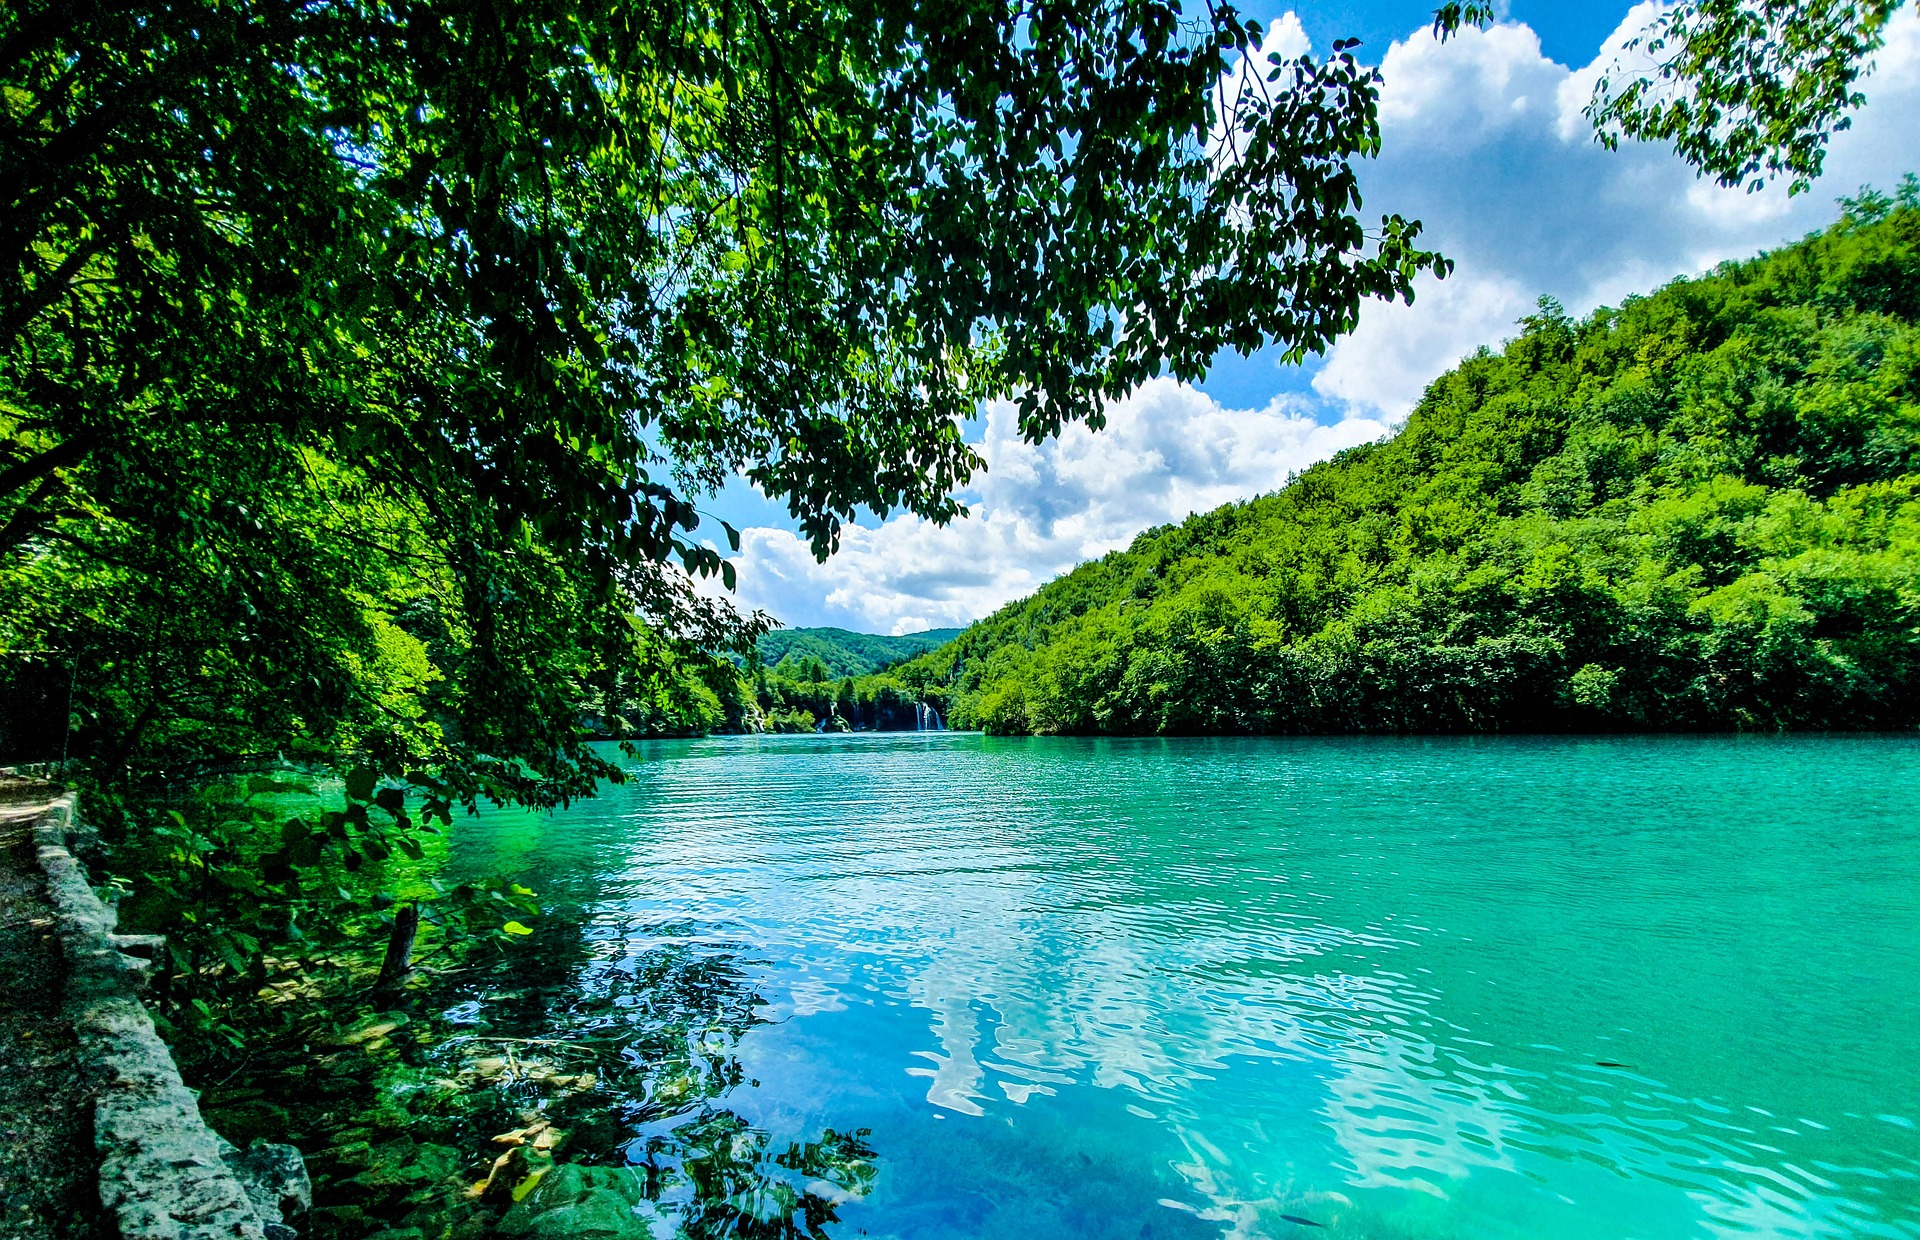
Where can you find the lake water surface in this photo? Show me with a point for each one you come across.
(1613, 988)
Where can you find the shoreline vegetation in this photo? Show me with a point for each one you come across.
(1699, 511)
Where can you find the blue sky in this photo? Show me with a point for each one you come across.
(1483, 142)
(1569, 32)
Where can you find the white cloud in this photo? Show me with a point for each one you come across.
(1483, 140)
(1167, 451)
(1382, 368)
(1481, 87)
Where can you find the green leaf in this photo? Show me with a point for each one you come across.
(237, 879)
(225, 948)
(360, 781)
(514, 927)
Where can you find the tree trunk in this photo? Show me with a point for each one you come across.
(398, 964)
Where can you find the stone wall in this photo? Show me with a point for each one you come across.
(164, 1175)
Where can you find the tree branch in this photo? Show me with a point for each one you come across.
(61, 455)
(29, 516)
(51, 287)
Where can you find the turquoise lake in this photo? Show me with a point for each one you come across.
(1397, 988)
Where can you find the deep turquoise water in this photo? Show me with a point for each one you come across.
(1643, 987)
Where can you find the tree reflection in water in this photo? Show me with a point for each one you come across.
(574, 1087)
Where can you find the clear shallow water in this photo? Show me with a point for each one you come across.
(1644, 987)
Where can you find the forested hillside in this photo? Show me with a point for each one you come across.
(1700, 510)
(842, 652)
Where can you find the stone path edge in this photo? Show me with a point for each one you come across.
(164, 1174)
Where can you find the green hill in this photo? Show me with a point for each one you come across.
(846, 653)
(1700, 510)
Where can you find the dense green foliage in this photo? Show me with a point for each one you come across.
(835, 680)
(341, 337)
(1698, 511)
(360, 365)
(841, 652)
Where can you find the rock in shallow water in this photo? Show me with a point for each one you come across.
(601, 1203)
(274, 1177)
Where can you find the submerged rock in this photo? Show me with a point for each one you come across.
(274, 1178)
(372, 1030)
(604, 1203)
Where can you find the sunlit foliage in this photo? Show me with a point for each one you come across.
(1698, 510)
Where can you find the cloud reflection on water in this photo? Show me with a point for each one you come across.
(1243, 966)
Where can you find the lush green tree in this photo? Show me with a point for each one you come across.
(361, 365)
(538, 274)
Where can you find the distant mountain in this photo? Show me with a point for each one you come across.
(846, 653)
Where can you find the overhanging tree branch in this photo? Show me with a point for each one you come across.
(24, 473)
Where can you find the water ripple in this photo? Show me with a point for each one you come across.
(1569, 988)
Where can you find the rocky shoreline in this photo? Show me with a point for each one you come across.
(162, 1173)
